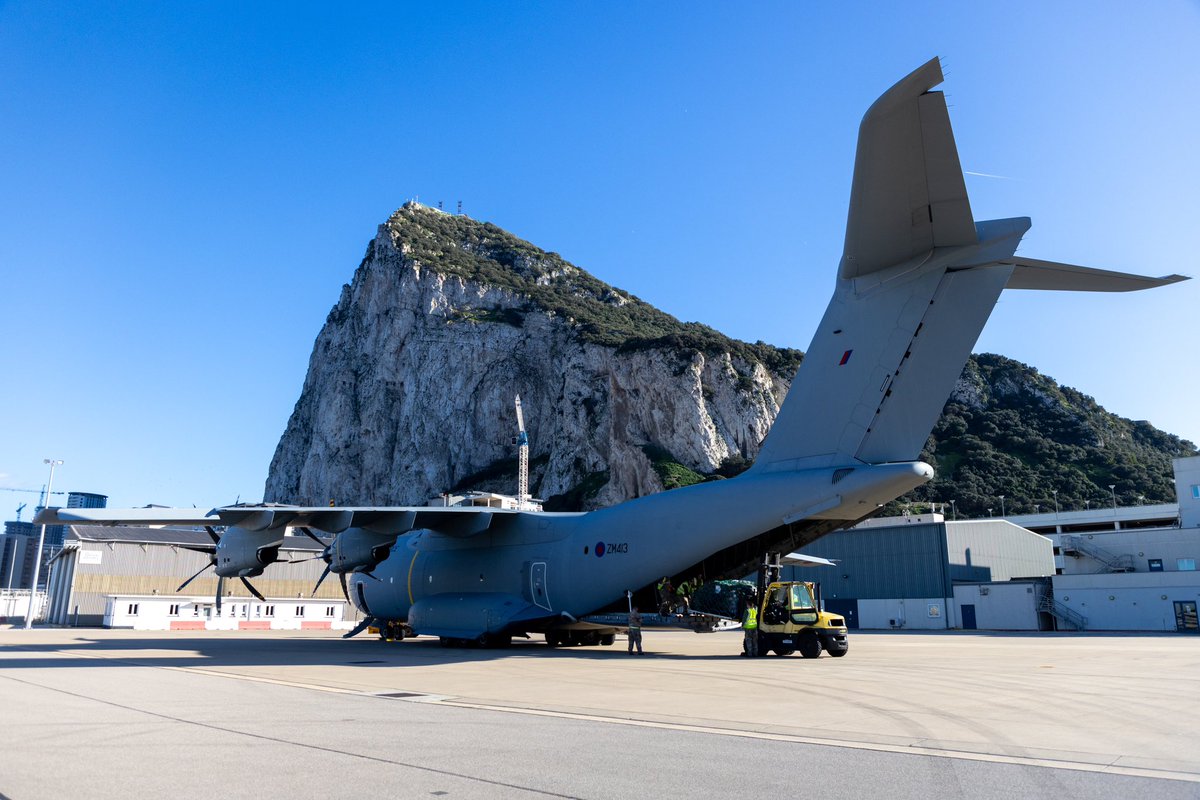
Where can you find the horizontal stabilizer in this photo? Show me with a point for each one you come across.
(1030, 273)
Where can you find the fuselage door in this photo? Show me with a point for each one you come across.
(538, 593)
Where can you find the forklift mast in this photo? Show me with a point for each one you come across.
(769, 572)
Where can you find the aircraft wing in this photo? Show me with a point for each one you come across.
(456, 521)
(459, 522)
(151, 515)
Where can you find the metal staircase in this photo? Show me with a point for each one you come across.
(1077, 547)
(1064, 615)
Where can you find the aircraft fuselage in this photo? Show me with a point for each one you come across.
(547, 565)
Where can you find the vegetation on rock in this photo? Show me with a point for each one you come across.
(1009, 430)
(601, 314)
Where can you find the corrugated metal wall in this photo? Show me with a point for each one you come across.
(132, 568)
(921, 560)
(904, 561)
(1004, 550)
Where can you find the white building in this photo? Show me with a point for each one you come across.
(1129, 568)
(156, 612)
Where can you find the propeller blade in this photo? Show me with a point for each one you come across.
(307, 532)
(253, 591)
(220, 591)
(321, 579)
(345, 590)
(362, 626)
(197, 575)
(216, 537)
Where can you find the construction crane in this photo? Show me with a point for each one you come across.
(41, 491)
(20, 508)
(522, 459)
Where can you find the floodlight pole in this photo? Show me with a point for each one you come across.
(37, 559)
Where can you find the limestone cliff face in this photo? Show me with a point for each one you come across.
(410, 386)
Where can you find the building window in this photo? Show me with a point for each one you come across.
(173, 610)
(299, 611)
(1196, 491)
(329, 611)
(133, 609)
(268, 611)
(1185, 564)
(1154, 564)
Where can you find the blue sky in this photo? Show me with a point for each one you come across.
(186, 187)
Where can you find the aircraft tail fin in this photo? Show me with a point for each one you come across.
(908, 195)
(917, 281)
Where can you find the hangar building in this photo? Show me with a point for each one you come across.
(926, 573)
(102, 572)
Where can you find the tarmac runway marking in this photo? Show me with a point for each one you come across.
(916, 749)
(291, 742)
(913, 749)
(1110, 767)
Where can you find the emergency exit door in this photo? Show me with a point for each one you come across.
(538, 592)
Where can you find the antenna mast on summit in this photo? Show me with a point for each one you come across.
(522, 459)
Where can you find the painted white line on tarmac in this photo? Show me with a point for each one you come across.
(964, 755)
(1109, 768)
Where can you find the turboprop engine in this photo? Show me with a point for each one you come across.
(353, 550)
(245, 554)
(240, 553)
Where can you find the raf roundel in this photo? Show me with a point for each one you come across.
(599, 549)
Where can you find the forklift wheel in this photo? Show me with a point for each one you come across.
(810, 647)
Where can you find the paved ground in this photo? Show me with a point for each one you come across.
(122, 714)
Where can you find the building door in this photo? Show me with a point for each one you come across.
(848, 608)
(1185, 617)
(968, 617)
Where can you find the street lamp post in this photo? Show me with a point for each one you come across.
(954, 508)
(1055, 493)
(1112, 488)
(37, 557)
(1002, 506)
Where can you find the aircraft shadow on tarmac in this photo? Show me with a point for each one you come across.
(202, 652)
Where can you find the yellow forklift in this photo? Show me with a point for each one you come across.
(791, 617)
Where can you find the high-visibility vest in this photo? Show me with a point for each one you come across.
(751, 621)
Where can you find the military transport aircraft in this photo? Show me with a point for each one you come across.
(917, 280)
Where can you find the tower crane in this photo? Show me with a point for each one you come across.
(20, 508)
(42, 492)
(522, 459)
